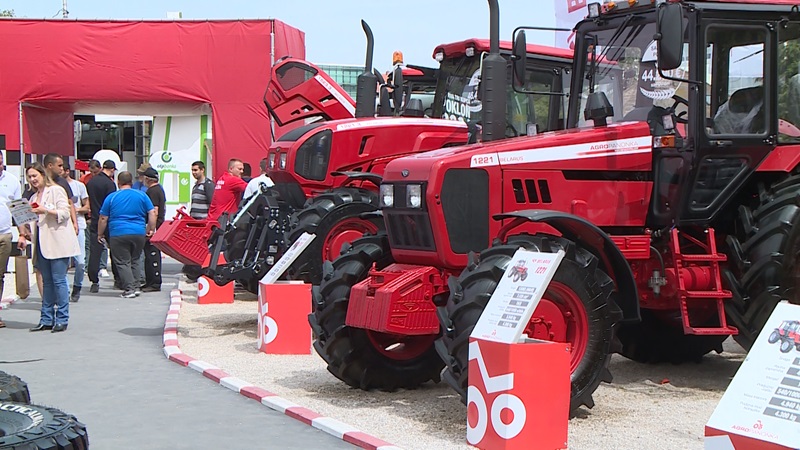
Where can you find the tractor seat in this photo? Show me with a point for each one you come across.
(742, 113)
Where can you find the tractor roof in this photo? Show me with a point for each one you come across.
(482, 45)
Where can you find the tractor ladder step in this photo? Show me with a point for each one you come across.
(708, 261)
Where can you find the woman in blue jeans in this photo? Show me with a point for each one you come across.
(54, 243)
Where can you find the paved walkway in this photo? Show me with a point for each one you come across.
(108, 369)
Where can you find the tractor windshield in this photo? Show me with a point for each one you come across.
(619, 59)
(457, 97)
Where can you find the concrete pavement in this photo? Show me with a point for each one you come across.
(108, 369)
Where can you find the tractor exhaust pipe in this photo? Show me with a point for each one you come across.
(493, 82)
(367, 83)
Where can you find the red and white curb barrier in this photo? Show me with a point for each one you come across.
(172, 350)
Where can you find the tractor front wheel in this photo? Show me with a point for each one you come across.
(577, 308)
(786, 346)
(334, 217)
(773, 337)
(366, 359)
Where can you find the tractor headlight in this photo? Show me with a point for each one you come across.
(282, 163)
(414, 195)
(387, 195)
(272, 160)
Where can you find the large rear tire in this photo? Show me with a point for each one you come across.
(37, 427)
(334, 218)
(764, 268)
(13, 389)
(580, 297)
(366, 359)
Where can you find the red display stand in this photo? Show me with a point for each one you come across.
(283, 309)
(518, 395)
(209, 292)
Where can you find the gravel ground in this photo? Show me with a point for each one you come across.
(648, 406)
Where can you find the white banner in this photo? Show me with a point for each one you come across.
(568, 13)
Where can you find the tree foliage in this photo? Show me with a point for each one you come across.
(6, 13)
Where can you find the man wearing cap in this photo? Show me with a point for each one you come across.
(139, 183)
(152, 255)
(99, 187)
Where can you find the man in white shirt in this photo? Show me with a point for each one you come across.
(253, 184)
(80, 198)
(9, 190)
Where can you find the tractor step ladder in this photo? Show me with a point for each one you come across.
(709, 259)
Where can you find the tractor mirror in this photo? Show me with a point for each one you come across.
(519, 57)
(670, 36)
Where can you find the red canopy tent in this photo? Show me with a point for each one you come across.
(55, 68)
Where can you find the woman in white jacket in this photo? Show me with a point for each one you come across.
(54, 242)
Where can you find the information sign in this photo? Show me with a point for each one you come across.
(288, 258)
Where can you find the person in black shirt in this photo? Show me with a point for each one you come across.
(152, 255)
(98, 188)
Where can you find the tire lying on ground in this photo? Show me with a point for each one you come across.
(33, 427)
(12, 389)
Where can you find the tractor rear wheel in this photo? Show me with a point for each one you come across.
(764, 255)
(659, 339)
(578, 308)
(335, 219)
(366, 359)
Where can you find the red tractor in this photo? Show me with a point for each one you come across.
(327, 172)
(789, 335)
(673, 193)
(519, 272)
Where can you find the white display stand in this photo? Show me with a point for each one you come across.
(288, 258)
(761, 407)
(512, 304)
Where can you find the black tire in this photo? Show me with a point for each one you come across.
(764, 267)
(578, 272)
(320, 216)
(33, 427)
(659, 339)
(351, 353)
(773, 337)
(786, 346)
(12, 389)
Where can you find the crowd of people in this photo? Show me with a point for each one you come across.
(81, 221)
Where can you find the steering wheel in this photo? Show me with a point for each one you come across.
(678, 101)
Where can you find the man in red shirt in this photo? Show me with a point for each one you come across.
(228, 191)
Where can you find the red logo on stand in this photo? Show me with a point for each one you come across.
(492, 414)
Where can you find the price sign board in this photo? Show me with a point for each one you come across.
(763, 400)
(512, 304)
(288, 258)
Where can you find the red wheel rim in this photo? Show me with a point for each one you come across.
(400, 347)
(561, 317)
(348, 230)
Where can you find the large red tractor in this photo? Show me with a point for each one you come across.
(328, 172)
(674, 195)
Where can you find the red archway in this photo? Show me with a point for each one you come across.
(53, 68)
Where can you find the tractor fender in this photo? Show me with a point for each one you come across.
(592, 238)
(373, 178)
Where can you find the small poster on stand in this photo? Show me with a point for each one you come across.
(761, 407)
(288, 258)
(512, 304)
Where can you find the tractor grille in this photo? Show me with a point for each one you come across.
(313, 156)
(409, 230)
(465, 203)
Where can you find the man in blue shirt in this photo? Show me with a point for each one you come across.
(131, 218)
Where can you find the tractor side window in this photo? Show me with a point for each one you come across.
(735, 61)
(457, 95)
(524, 109)
(789, 83)
(294, 74)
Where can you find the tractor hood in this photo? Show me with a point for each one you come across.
(578, 149)
(299, 90)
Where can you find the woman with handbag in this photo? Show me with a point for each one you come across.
(54, 243)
